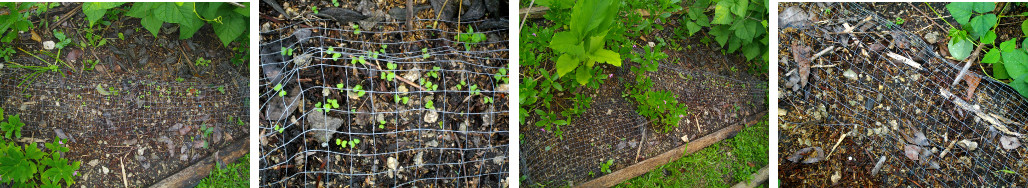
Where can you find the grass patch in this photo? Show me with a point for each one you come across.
(236, 174)
(732, 160)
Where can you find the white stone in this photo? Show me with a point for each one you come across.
(392, 163)
(48, 45)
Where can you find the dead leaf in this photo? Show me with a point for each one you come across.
(808, 155)
(801, 54)
(972, 84)
(36, 37)
(912, 152)
(1009, 142)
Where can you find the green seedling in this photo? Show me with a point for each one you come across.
(278, 88)
(287, 51)
(360, 92)
(202, 62)
(221, 89)
(279, 129)
(315, 9)
(487, 100)
(121, 36)
(180, 80)
(335, 3)
(356, 29)
(428, 104)
(605, 167)
(424, 52)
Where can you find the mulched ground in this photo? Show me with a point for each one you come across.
(884, 100)
(152, 127)
(462, 142)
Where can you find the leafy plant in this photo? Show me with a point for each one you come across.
(63, 39)
(582, 46)
(203, 62)
(424, 53)
(12, 126)
(389, 75)
(16, 20)
(736, 25)
(236, 174)
(605, 167)
(429, 105)
(899, 21)
(356, 29)
(470, 38)
(287, 51)
(278, 89)
(229, 22)
(28, 166)
(978, 25)
(279, 129)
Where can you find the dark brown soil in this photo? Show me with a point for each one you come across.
(151, 128)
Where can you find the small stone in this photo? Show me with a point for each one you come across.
(183, 157)
(94, 162)
(968, 144)
(432, 143)
(412, 75)
(431, 117)
(105, 170)
(932, 37)
(402, 89)
(392, 163)
(140, 151)
(850, 74)
(418, 161)
(782, 112)
(685, 138)
(49, 45)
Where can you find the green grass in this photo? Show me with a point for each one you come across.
(711, 166)
(236, 174)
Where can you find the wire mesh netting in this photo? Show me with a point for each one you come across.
(611, 129)
(384, 106)
(171, 119)
(905, 123)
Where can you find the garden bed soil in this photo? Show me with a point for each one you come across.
(465, 146)
(152, 127)
(886, 99)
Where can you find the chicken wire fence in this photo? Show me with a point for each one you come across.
(611, 129)
(429, 111)
(862, 88)
(98, 106)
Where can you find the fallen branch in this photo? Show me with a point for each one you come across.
(988, 118)
(836, 145)
(822, 52)
(904, 60)
(943, 154)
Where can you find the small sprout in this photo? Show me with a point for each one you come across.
(315, 9)
(279, 129)
(121, 36)
(360, 93)
(335, 3)
(428, 104)
(425, 51)
(487, 100)
(396, 98)
(405, 100)
(179, 79)
(361, 60)
(221, 89)
(317, 107)
(356, 29)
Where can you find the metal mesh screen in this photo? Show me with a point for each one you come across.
(859, 90)
(458, 140)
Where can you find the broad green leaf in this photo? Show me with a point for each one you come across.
(16, 166)
(139, 10)
(95, 10)
(983, 7)
(722, 13)
(563, 41)
(1014, 61)
(960, 48)
(587, 15)
(582, 75)
(566, 64)
(999, 71)
(740, 7)
(692, 27)
(993, 56)
(595, 43)
(151, 24)
(1008, 45)
(981, 24)
(1024, 27)
(231, 29)
(989, 38)
(745, 31)
(961, 11)
(607, 56)
(1020, 85)
(171, 13)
